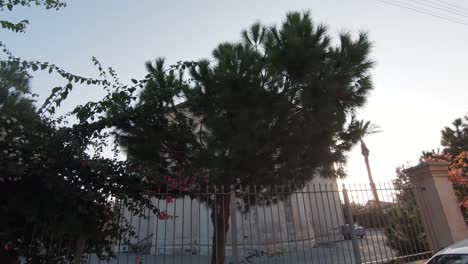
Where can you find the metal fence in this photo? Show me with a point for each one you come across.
(318, 223)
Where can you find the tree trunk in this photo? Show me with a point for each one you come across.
(220, 213)
(80, 245)
(365, 153)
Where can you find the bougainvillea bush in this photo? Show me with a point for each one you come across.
(458, 175)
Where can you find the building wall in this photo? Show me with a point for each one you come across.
(302, 220)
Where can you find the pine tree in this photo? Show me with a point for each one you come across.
(455, 140)
(275, 108)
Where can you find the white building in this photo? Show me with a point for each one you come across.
(307, 217)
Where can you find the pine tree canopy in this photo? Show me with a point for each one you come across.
(277, 107)
(455, 138)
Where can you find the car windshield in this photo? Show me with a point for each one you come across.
(450, 259)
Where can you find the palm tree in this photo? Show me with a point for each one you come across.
(366, 129)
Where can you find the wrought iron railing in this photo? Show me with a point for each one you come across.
(317, 223)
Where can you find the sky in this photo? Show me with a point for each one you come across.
(420, 77)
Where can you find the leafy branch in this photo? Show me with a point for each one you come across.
(48, 4)
(15, 27)
(20, 27)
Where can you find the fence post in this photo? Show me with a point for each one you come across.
(235, 252)
(349, 220)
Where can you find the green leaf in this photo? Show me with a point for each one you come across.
(34, 67)
(64, 94)
(51, 110)
(134, 81)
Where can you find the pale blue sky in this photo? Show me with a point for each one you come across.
(421, 76)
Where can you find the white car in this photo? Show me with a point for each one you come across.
(453, 254)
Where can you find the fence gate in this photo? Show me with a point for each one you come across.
(321, 223)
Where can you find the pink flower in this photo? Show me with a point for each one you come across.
(8, 246)
(186, 180)
(169, 199)
(163, 215)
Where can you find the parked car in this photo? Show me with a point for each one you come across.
(453, 254)
(359, 231)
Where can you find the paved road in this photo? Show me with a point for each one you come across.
(372, 248)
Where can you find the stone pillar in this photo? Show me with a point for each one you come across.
(438, 206)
